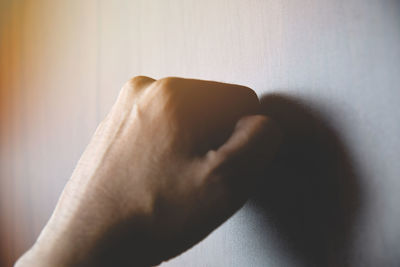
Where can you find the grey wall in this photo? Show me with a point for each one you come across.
(336, 206)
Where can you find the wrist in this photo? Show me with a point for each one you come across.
(38, 258)
(89, 245)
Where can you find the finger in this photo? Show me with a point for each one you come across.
(211, 109)
(255, 134)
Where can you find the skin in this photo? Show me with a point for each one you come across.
(172, 161)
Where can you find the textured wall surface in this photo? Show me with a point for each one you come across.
(336, 63)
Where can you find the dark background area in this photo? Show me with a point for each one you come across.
(311, 191)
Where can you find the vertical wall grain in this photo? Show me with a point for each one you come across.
(48, 109)
(62, 64)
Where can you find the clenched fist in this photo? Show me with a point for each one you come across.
(172, 160)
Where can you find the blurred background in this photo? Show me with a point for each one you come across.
(62, 64)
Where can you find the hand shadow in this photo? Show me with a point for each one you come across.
(311, 191)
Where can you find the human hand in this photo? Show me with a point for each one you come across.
(172, 160)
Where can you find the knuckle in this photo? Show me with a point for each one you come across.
(215, 161)
(261, 123)
(136, 83)
(262, 120)
(247, 97)
(250, 92)
(167, 84)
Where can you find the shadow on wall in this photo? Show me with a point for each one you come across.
(311, 193)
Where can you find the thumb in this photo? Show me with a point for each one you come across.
(255, 137)
(247, 151)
